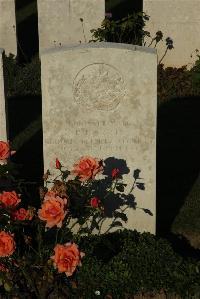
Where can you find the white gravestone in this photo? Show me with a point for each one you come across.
(3, 132)
(99, 100)
(178, 19)
(8, 39)
(59, 21)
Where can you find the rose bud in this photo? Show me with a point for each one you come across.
(94, 202)
(58, 164)
(115, 173)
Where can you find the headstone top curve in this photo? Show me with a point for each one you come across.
(100, 45)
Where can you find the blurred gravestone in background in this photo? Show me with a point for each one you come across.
(66, 22)
(8, 26)
(27, 29)
(178, 20)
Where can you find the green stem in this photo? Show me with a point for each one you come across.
(56, 240)
(34, 250)
(29, 280)
(39, 239)
(100, 227)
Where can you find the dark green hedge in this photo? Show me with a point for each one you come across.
(22, 80)
(125, 263)
(172, 82)
(178, 82)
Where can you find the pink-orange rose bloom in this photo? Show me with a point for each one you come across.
(5, 150)
(67, 257)
(22, 214)
(53, 210)
(7, 244)
(9, 199)
(86, 168)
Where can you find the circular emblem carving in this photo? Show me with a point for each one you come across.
(99, 86)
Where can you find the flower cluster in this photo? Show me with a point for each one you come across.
(9, 200)
(40, 239)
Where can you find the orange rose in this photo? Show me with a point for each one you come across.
(67, 257)
(9, 199)
(5, 150)
(86, 168)
(53, 210)
(7, 244)
(22, 214)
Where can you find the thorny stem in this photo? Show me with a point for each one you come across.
(56, 240)
(112, 188)
(29, 280)
(34, 250)
(133, 186)
(115, 218)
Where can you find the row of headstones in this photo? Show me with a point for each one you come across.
(59, 22)
(100, 100)
(62, 22)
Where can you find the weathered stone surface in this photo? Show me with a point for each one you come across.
(8, 26)
(3, 132)
(180, 20)
(59, 21)
(100, 100)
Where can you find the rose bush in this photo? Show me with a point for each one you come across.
(38, 245)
